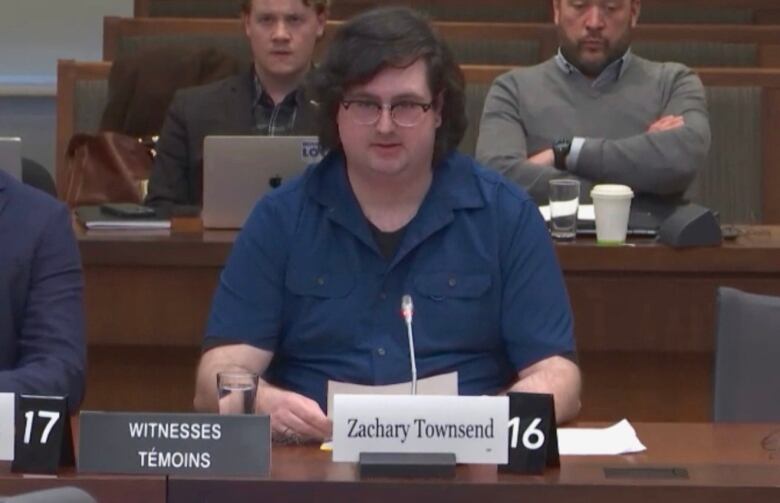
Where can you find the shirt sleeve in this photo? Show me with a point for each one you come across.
(51, 346)
(169, 182)
(537, 318)
(663, 162)
(502, 140)
(247, 305)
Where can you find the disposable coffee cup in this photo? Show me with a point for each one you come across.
(612, 205)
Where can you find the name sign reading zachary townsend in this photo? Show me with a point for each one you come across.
(192, 444)
(474, 428)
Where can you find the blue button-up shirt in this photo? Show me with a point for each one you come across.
(307, 281)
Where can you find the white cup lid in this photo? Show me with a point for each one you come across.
(612, 191)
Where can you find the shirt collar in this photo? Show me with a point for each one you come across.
(262, 98)
(454, 184)
(613, 72)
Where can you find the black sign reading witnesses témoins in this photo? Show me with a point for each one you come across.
(189, 444)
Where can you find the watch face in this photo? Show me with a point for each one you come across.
(562, 146)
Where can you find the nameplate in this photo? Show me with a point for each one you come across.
(474, 428)
(207, 445)
(7, 409)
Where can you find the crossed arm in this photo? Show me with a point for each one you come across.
(665, 123)
(662, 159)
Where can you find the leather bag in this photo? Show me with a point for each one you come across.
(106, 167)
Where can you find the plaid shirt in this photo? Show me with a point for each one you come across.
(273, 119)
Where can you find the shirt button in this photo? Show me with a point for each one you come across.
(382, 296)
(320, 281)
(452, 282)
(381, 351)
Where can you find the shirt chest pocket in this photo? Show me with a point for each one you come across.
(319, 311)
(321, 285)
(457, 311)
(441, 286)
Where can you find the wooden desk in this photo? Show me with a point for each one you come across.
(724, 463)
(644, 318)
(104, 488)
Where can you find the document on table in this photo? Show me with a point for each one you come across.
(7, 411)
(584, 212)
(620, 438)
(443, 384)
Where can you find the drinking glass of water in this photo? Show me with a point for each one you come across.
(236, 392)
(564, 202)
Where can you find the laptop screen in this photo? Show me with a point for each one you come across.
(239, 170)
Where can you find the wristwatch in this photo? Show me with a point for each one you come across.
(560, 150)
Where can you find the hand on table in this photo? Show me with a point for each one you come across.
(294, 417)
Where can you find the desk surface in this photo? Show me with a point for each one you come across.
(756, 250)
(724, 463)
(727, 463)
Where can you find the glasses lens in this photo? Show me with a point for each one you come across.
(407, 114)
(363, 112)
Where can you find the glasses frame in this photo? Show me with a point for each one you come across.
(390, 107)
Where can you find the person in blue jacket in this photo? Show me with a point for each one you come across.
(42, 348)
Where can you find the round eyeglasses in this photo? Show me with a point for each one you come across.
(403, 113)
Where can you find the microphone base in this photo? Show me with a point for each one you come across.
(438, 465)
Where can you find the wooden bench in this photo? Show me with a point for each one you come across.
(82, 93)
(742, 178)
(653, 11)
(475, 43)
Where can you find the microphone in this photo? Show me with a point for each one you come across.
(407, 311)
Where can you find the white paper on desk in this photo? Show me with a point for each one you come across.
(620, 438)
(7, 411)
(443, 384)
(584, 212)
(128, 225)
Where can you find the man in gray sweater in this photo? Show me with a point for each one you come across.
(597, 112)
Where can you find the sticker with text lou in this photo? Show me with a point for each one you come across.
(533, 437)
(43, 440)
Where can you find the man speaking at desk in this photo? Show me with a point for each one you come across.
(313, 287)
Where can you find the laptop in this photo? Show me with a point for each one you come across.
(640, 224)
(11, 156)
(239, 170)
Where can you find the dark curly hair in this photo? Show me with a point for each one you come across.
(374, 40)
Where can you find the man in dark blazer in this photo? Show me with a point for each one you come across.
(267, 99)
(42, 349)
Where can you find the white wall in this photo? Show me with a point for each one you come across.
(34, 34)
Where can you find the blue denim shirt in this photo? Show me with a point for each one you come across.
(306, 280)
